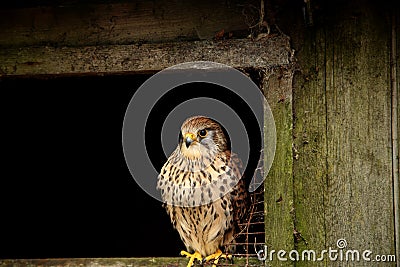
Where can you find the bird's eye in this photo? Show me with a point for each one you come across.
(203, 133)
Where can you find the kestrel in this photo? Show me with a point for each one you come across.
(202, 187)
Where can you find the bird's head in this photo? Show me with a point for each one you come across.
(202, 136)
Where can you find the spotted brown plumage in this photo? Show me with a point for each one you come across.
(203, 190)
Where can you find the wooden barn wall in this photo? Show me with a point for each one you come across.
(334, 173)
(343, 172)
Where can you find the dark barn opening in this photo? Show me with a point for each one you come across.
(66, 189)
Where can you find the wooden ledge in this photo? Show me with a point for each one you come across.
(115, 262)
(239, 53)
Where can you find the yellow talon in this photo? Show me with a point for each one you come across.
(216, 256)
(196, 255)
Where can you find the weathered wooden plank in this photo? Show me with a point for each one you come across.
(344, 148)
(359, 206)
(279, 182)
(147, 57)
(309, 166)
(111, 262)
(119, 23)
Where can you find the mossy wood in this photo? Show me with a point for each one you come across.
(342, 134)
(279, 182)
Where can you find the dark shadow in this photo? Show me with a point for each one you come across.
(65, 188)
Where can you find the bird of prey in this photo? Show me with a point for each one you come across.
(203, 190)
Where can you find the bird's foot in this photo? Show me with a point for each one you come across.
(216, 256)
(195, 256)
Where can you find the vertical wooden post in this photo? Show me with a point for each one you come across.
(310, 164)
(279, 183)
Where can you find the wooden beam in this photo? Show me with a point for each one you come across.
(119, 23)
(264, 53)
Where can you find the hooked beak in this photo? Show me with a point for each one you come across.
(189, 138)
